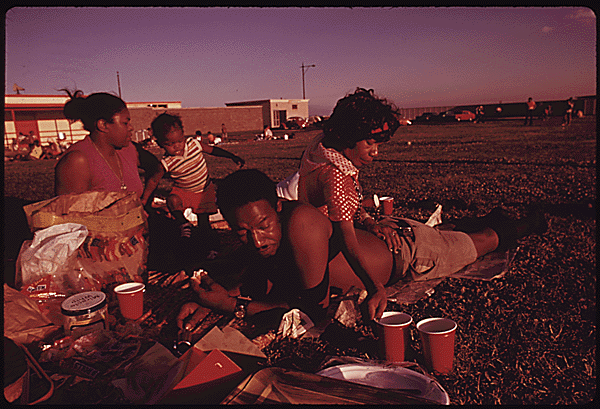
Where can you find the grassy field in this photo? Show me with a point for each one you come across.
(527, 338)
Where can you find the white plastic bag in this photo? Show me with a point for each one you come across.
(294, 324)
(50, 250)
(49, 271)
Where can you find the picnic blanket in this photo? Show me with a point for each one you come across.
(491, 266)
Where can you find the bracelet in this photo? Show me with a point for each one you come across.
(241, 307)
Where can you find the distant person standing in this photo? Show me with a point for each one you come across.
(223, 133)
(530, 108)
(199, 136)
(479, 114)
(568, 112)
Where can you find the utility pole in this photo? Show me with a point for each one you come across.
(119, 84)
(303, 71)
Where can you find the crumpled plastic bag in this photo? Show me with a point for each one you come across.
(48, 268)
(50, 251)
(294, 324)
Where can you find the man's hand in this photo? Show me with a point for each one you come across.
(191, 310)
(213, 295)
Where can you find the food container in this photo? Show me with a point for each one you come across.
(84, 313)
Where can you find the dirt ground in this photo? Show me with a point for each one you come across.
(526, 338)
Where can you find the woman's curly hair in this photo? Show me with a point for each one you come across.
(359, 116)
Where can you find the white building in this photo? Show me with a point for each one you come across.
(277, 111)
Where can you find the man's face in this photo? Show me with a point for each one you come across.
(257, 223)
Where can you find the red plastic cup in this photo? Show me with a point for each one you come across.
(437, 339)
(388, 205)
(131, 299)
(393, 335)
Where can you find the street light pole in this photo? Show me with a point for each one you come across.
(119, 84)
(303, 71)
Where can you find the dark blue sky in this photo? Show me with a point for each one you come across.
(206, 57)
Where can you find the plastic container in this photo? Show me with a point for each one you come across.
(84, 313)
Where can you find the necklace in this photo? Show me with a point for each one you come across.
(120, 175)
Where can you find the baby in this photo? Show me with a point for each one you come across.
(184, 161)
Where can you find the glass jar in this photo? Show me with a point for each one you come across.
(84, 313)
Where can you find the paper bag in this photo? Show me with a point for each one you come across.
(23, 321)
(116, 247)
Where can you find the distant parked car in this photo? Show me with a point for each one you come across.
(296, 122)
(426, 117)
(456, 116)
(447, 116)
(404, 122)
(464, 115)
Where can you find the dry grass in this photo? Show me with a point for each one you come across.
(527, 338)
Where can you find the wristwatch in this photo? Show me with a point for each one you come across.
(241, 305)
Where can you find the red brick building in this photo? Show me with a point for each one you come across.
(43, 114)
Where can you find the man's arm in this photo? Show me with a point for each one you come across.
(213, 295)
(309, 233)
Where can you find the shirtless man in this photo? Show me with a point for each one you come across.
(292, 255)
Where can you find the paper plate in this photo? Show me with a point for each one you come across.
(389, 378)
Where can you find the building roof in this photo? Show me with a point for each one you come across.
(262, 101)
(21, 101)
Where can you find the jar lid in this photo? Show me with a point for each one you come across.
(83, 303)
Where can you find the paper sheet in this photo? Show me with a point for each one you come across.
(228, 340)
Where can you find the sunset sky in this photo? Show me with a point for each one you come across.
(206, 57)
